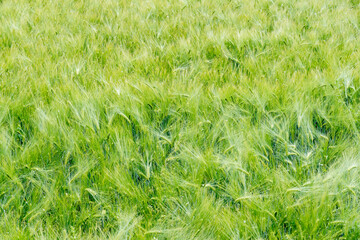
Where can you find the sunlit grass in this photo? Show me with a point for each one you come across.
(179, 119)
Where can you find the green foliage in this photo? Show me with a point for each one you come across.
(179, 119)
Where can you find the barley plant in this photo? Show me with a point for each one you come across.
(192, 119)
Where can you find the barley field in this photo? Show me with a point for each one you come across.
(189, 119)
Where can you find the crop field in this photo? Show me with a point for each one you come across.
(189, 119)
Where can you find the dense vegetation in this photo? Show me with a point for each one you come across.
(192, 119)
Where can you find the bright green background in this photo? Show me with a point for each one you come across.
(179, 119)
